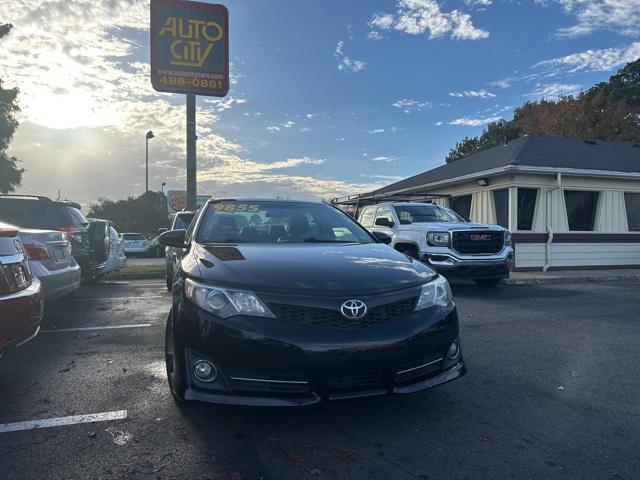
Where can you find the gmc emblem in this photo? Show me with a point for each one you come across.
(480, 237)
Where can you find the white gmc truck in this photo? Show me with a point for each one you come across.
(442, 239)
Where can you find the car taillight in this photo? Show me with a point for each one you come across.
(8, 232)
(73, 231)
(14, 277)
(36, 251)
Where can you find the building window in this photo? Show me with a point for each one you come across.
(461, 205)
(581, 209)
(526, 207)
(501, 205)
(632, 202)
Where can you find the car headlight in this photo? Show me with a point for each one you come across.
(436, 292)
(224, 302)
(507, 238)
(438, 239)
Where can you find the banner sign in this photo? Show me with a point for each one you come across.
(189, 47)
(177, 200)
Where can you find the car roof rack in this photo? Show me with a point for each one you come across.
(361, 200)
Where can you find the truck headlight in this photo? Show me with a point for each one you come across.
(438, 239)
(224, 302)
(436, 292)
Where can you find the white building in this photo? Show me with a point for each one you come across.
(569, 203)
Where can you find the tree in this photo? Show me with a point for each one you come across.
(10, 174)
(145, 214)
(607, 111)
(495, 133)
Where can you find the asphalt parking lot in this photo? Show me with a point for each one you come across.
(552, 392)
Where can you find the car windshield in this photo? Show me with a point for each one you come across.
(278, 222)
(409, 214)
(133, 236)
(183, 220)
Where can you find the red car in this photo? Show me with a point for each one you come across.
(21, 300)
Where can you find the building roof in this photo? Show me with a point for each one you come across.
(531, 151)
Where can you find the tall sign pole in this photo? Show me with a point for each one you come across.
(190, 55)
(192, 169)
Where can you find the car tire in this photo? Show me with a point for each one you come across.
(487, 282)
(99, 239)
(174, 377)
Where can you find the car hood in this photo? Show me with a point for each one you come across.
(327, 269)
(447, 227)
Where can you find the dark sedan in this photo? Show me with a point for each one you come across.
(21, 299)
(290, 303)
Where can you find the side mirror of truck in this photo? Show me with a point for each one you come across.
(384, 222)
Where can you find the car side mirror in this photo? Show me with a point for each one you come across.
(173, 238)
(384, 222)
(162, 230)
(383, 237)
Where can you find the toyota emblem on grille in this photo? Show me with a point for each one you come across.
(353, 309)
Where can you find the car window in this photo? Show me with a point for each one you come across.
(384, 212)
(409, 214)
(23, 212)
(183, 220)
(277, 222)
(76, 216)
(366, 217)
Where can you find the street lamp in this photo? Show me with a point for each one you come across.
(148, 137)
(163, 184)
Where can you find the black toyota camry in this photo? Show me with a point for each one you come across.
(281, 302)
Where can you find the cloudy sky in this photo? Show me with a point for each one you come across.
(327, 97)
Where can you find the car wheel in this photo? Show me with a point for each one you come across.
(174, 378)
(99, 239)
(487, 282)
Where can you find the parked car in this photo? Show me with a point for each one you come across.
(21, 300)
(155, 249)
(89, 240)
(135, 244)
(50, 260)
(117, 259)
(172, 256)
(282, 312)
(443, 240)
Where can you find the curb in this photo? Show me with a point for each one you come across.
(134, 276)
(577, 279)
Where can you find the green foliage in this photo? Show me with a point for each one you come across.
(144, 214)
(495, 133)
(607, 111)
(10, 174)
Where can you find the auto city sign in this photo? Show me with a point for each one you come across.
(189, 47)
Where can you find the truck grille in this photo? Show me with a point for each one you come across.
(333, 319)
(477, 242)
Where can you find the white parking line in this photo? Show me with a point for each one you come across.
(106, 327)
(62, 421)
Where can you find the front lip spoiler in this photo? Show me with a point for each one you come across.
(458, 370)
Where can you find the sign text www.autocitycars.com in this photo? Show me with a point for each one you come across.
(189, 47)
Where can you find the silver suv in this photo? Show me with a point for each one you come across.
(442, 239)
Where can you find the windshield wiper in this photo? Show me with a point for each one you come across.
(316, 240)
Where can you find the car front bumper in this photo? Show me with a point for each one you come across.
(135, 249)
(470, 266)
(269, 362)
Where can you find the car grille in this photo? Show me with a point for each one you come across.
(353, 381)
(477, 242)
(333, 319)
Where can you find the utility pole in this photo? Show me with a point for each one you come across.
(192, 193)
(148, 137)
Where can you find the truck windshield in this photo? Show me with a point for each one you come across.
(409, 214)
(278, 222)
